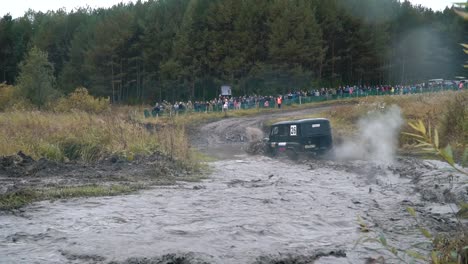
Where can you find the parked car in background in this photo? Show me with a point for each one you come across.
(435, 82)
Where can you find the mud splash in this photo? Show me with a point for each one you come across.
(376, 139)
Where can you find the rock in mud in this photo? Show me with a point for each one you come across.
(300, 259)
(165, 259)
(82, 257)
(23, 165)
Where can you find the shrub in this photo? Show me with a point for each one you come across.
(36, 81)
(6, 96)
(81, 100)
(75, 149)
(50, 151)
(21, 104)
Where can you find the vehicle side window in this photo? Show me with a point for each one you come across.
(274, 131)
(283, 130)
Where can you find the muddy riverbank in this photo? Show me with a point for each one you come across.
(23, 179)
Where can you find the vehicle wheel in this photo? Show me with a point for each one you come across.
(291, 154)
(270, 152)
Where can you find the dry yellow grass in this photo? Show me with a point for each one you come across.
(447, 111)
(85, 136)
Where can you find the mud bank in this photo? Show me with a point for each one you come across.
(20, 172)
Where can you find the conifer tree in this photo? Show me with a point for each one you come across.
(36, 80)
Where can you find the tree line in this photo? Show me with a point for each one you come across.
(186, 49)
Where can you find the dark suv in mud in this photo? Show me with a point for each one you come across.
(306, 136)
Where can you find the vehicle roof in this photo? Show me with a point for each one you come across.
(301, 121)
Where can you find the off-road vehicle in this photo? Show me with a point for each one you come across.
(306, 136)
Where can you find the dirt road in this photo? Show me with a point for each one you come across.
(252, 209)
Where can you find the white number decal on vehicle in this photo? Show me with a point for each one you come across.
(293, 130)
(315, 125)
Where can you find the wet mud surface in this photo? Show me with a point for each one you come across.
(252, 209)
(19, 172)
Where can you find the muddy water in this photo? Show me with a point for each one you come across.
(251, 207)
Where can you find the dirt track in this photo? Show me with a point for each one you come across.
(252, 209)
(234, 130)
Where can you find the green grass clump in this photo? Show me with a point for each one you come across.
(21, 198)
(16, 200)
(85, 191)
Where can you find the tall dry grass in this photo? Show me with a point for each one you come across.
(82, 127)
(448, 112)
(85, 136)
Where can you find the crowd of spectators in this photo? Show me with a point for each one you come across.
(261, 101)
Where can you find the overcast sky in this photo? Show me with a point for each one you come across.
(18, 7)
